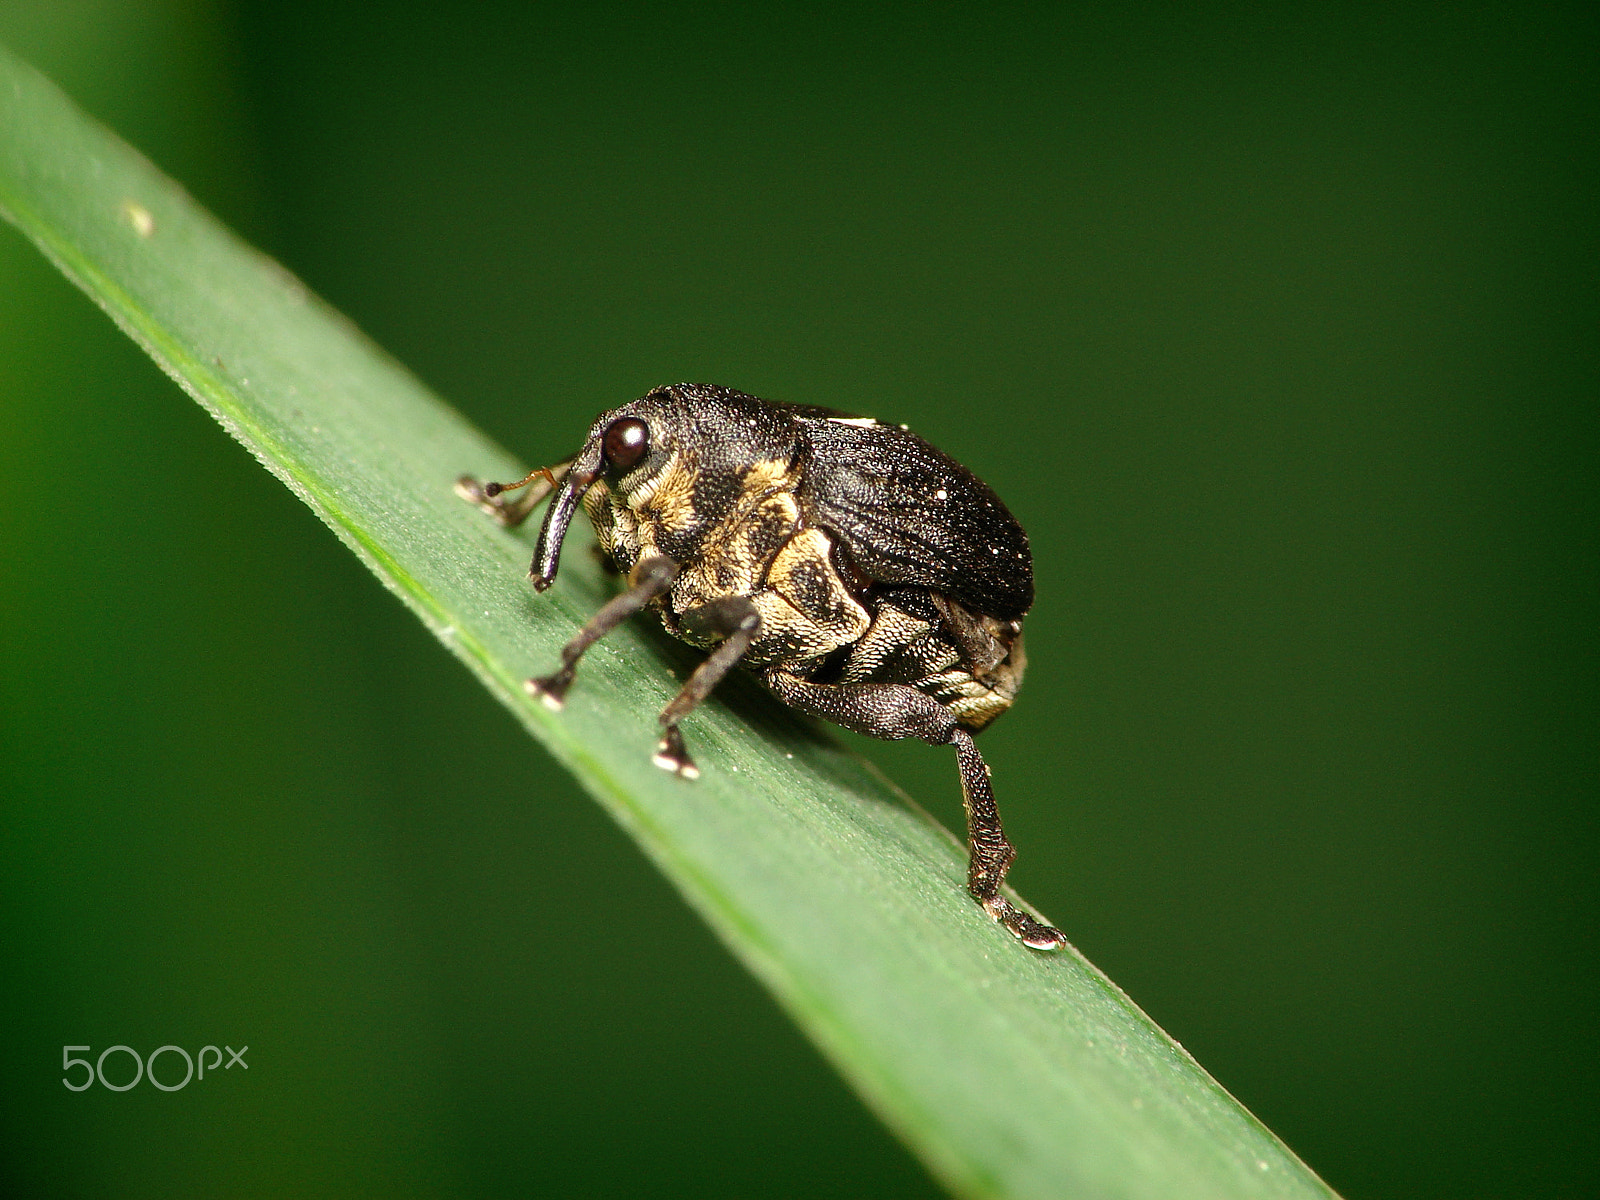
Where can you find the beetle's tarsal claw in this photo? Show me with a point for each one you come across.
(552, 689)
(671, 756)
(1045, 937)
(1033, 934)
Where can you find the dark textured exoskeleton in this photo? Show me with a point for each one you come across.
(864, 576)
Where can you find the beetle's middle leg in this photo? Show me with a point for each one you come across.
(893, 711)
(649, 578)
(734, 619)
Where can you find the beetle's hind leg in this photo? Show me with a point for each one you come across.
(648, 579)
(734, 619)
(893, 711)
(992, 854)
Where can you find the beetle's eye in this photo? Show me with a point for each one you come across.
(626, 442)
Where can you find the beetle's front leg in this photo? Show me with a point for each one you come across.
(649, 578)
(892, 711)
(736, 620)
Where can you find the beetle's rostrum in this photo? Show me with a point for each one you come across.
(864, 576)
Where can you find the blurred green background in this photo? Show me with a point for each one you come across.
(1277, 328)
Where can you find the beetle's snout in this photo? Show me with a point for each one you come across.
(558, 517)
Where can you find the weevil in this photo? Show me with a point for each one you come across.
(864, 576)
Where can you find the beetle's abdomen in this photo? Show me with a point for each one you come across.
(911, 641)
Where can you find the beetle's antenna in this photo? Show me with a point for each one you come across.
(494, 489)
(487, 496)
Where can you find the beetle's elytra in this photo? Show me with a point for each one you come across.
(861, 574)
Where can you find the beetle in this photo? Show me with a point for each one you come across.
(864, 576)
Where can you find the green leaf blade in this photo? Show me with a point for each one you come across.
(1012, 1073)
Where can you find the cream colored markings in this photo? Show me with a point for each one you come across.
(802, 573)
(667, 503)
(787, 635)
(663, 505)
(974, 705)
(768, 475)
(891, 630)
(805, 611)
(742, 543)
(667, 511)
(900, 648)
(758, 539)
(613, 526)
(733, 560)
